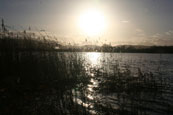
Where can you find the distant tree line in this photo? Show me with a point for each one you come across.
(29, 43)
(120, 49)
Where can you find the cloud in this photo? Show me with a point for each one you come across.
(124, 21)
(169, 33)
(139, 30)
(157, 35)
(164, 38)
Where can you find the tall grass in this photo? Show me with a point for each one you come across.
(31, 81)
(48, 82)
(57, 83)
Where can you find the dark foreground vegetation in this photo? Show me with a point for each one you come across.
(37, 80)
(51, 83)
(39, 83)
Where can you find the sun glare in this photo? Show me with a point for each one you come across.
(92, 22)
(94, 58)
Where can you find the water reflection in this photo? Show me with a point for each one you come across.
(114, 87)
(93, 58)
(91, 63)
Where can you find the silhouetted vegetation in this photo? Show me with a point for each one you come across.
(39, 83)
(38, 77)
(61, 83)
(122, 49)
(26, 42)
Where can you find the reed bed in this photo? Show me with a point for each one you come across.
(48, 82)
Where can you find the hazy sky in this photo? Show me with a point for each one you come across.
(144, 22)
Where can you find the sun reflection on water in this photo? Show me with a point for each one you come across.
(94, 58)
(92, 62)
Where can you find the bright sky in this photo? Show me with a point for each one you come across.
(143, 22)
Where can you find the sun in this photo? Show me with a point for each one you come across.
(92, 22)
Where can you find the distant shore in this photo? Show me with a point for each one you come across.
(30, 43)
